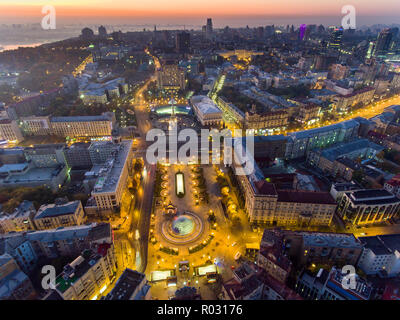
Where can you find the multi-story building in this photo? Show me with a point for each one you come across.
(19, 220)
(266, 205)
(12, 155)
(272, 258)
(14, 284)
(131, 285)
(77, 155)
(231, 111)
(21, 249)
(45, 155)
(71, 126)
(363, 96)
(53, 243)
(111, 182)
(27, 175)
(183, 42)
(308, 113)
(335, 39)
(324, 247)
(381, 255)
(393, 185)
(301, 142)
(52, 216)
(102, 92)
(206, 111)
(305, 248)
(83, 126)
(369, 206)
(383, 42)
(101, 151)
(209, 29)
(171, 76)
(254, 283)
(34, 125)
(338, 71)
(328, 285)
(338, 189)
(325, 159)
(89, 275)
(10, 131)
(266, 120)
(269, 148)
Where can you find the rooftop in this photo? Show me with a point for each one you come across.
(24, 210)
(103, 117)
(126, 285)
(11, 282)
(305, 197)
(329, 239)
(349, 147)
(205, 105)
(54, 210)
(76, 269)
(110, 173)
(316, 131)
(371, 197)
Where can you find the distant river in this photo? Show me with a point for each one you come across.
(15, 46)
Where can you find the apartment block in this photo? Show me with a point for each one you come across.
(21, 219)
(89, 275)
(52, 216)
(10, 131)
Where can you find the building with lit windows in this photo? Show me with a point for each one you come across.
(112, 178)
(10, 131)
(301, 142)
(308, 113)
(171, 76)
(381, 255)
(368, 206)
(266, 120)
(206, 111)
(326, 159)
(383, 43)
(45, 155)
(52, 216)
(83, 126)
(327, 285)
(266, 205)
(89, 275)
(21, 219)
(272, 258)
(70, 126)
(363, 96)
(335, 40)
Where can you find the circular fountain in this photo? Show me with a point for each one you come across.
(183, 225)
(183, 228)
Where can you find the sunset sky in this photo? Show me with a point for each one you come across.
(110, 11)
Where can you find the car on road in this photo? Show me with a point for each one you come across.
(237, 255)
(234, 244)
(363, 233)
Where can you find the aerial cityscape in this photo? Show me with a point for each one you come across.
(170, 151)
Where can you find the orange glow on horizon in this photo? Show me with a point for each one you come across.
(194, 8)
